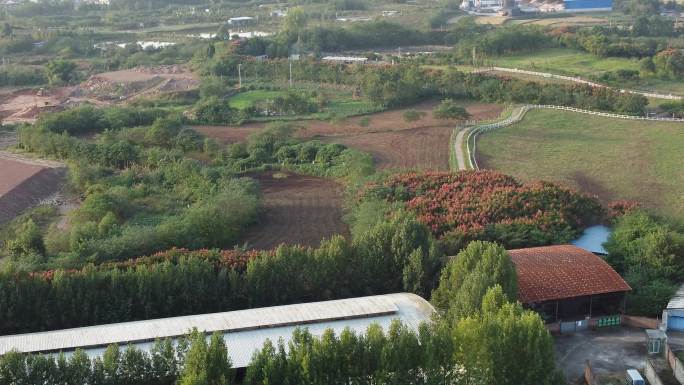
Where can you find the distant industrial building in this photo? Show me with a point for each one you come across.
(513, 7)
(345, 59)
(587, 5)
(244, 331)
(566, 282)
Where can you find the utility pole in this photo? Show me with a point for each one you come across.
(474, 57)
(290, 73)
(240, 75)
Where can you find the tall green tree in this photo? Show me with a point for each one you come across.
(467, 277)
(61, 72)
(505, 345)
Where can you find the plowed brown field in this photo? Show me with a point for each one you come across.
(393, 142)
(298, 209)
(23, 185)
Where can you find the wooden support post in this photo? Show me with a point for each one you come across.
(556, 310)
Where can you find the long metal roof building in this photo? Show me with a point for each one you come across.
(244, 331)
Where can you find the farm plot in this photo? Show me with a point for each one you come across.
(298, 209)
(613, 159)
(24, 183)
(419, 148)
(392, 141)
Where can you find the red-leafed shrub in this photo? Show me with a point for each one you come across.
(487, 205)
(620, 208)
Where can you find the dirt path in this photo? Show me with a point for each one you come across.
(298, 209)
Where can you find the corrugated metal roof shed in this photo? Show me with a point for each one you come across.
(244, 331)
(677, 300)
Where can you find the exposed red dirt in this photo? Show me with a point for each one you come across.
(101, 90)
(419, 148)
(23, 185)
(298, 209)
(14, 173)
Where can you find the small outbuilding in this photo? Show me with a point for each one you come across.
(593, 238)
(242, 20)
(568, 283)
(673, 315)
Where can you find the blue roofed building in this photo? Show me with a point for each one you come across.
(588, 5)
(593, 238)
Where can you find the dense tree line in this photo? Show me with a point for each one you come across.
(479, 336)
(397, 254)
(13, 75)
(190, 361)
(402, 85)
(499, 344)
(649, 253)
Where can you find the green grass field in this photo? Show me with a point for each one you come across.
(245, 99)
(566, 61)
(614, 159)
(575, 63)
(340, 104)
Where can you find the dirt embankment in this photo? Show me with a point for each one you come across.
(298, 209)
(100, 90)
(25, 183)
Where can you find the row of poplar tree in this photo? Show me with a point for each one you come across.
(478, 336)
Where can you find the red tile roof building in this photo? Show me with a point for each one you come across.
(560, 272)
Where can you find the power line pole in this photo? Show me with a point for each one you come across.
(290, 73)
(240, 75)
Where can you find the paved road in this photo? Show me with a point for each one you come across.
(610, 351)
(460, 153)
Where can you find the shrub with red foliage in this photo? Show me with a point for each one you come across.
(230, 259)
(487, 205)
(619, 208)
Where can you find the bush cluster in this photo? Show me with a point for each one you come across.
(487, 205)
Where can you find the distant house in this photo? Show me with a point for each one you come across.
(345, 59)
(242, 20)
(567, 283)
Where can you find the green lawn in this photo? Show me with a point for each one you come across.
(245, 99)
(576, 63)
(565, 61)
(614, 159)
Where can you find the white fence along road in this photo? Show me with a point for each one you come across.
(470, 134)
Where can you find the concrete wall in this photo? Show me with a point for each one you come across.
(651, 374)
(674, 363)
(589, 376)
(640, 322)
